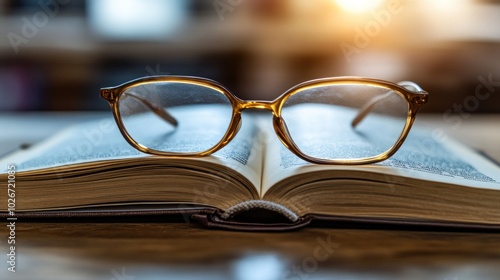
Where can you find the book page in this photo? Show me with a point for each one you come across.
(422, 155)
(102, 141)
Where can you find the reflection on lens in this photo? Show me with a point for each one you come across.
(175, 117)
(345, 121)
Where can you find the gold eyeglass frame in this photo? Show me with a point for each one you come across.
(415, 98)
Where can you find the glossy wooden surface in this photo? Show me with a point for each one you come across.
(143, 251)
(182, 251)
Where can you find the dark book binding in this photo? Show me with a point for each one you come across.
(253, 215)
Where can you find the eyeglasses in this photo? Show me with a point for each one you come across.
(341, 120)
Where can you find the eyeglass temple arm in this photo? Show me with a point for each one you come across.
(160, 112)
(368, 107)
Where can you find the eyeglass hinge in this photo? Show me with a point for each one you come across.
(421, 98)
(108, 94)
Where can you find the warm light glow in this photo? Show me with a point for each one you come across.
(442, 4)
(448, 5)
(358, 6)
(451, 19)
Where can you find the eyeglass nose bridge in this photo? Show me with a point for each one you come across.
(261, 105)
(278, 123)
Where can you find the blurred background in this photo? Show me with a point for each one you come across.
(56, 54)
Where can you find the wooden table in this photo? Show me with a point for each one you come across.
(143, 251)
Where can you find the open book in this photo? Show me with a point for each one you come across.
(89, 170)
